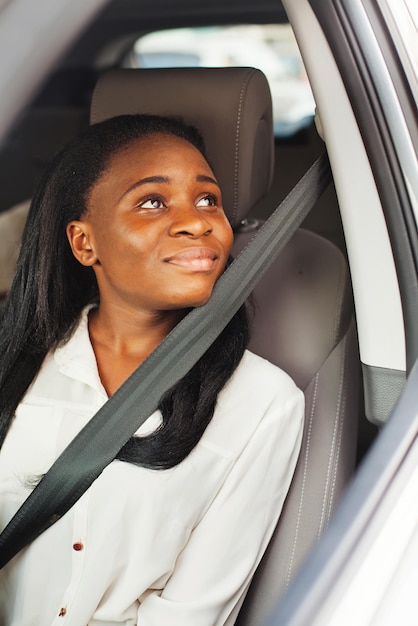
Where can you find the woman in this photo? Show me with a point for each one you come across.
(125, 235)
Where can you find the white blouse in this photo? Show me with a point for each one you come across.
(175, 547)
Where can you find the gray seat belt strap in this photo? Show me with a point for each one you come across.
(98, 443)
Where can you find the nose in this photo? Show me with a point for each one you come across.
(190, 221)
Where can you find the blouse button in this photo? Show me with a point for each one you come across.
(78, 546)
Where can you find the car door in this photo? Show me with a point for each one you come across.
(364, 570)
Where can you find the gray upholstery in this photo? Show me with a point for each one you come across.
(303, 322)
(302, 309)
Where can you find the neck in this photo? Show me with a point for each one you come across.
(129, 333)
(123, 339)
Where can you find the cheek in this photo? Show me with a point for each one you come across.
(119, 243)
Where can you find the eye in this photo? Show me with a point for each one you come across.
(207, 201)
(151, 203)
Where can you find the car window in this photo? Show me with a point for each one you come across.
(270, 48)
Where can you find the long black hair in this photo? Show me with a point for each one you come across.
(51, 289)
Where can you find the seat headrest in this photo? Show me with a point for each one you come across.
(231, 107)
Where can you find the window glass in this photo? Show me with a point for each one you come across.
(270, 48)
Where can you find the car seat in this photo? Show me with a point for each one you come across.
(302, 310)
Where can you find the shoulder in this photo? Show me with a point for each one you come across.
(258, 397)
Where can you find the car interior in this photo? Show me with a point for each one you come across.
(302, 310)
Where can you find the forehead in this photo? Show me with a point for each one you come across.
(157, 144)
(153, 155)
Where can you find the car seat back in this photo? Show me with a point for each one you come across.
(302, 309)
(303, 322)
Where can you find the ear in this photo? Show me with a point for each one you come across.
(81, 242)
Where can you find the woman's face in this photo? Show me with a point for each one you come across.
(155, 231)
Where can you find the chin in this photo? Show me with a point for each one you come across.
(191, 296)
(192, 304)
(191, 301)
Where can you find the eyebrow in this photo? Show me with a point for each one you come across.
(200, 178)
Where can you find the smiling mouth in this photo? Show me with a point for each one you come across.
(195, 259)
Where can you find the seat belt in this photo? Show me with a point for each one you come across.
(98, 443)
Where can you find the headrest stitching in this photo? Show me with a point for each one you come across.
(237, 139)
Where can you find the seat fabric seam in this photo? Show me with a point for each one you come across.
(237, 141)
(304, 479)
(341, 416)
(328, 491)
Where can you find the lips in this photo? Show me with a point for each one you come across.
(195, 259)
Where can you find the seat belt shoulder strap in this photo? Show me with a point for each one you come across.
(98, 443)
